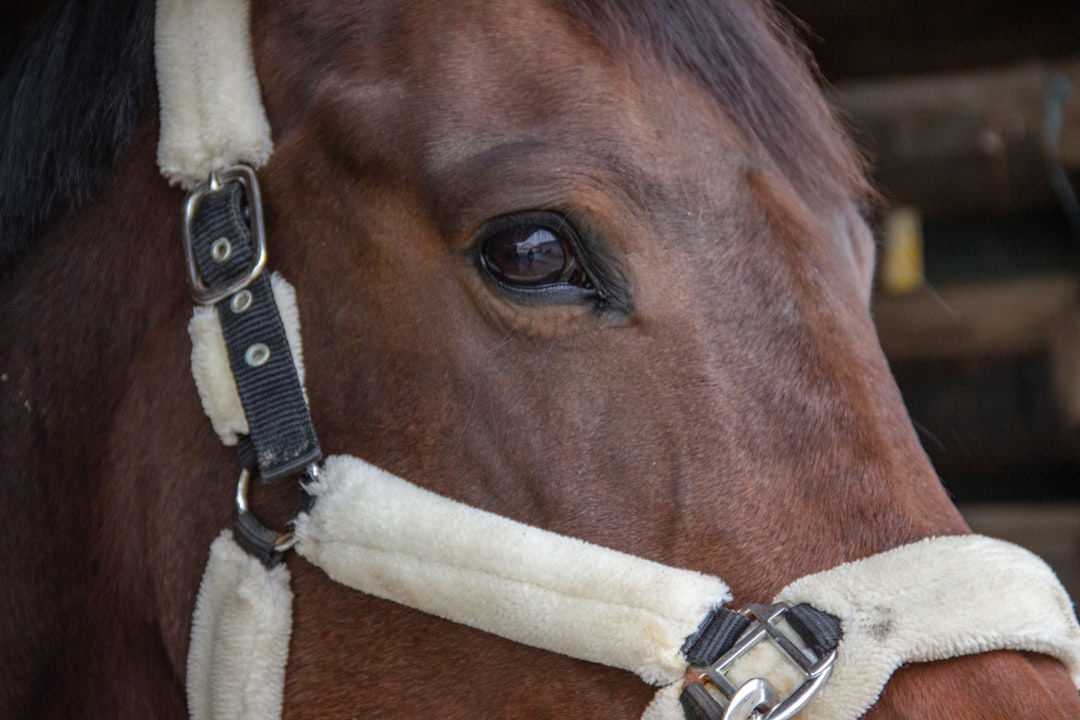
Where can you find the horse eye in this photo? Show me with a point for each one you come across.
(527, 256)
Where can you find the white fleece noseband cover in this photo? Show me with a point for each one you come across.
(379, 534)
(935, 599)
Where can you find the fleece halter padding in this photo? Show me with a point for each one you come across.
(239, 637)
(378, 533)
(212, 114)
(931, 600)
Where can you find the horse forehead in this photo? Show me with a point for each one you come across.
(603, 128)
(525, 99)
(472, 80)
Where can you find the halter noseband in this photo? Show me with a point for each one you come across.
(380, 534)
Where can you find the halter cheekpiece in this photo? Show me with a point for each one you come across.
(225, 247)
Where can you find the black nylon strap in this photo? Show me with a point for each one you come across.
(698, 704)
(222, 214)
(281, 428)
(715, 637)
(256, 539)
(819, 630)
(722, 629)
(245, 449)
(281, 432)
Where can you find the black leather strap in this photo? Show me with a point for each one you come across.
(697, 704)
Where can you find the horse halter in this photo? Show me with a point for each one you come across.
(823, 649)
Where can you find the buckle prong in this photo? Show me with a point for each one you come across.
(245, 176)
(754, 695)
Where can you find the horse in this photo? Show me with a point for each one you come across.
(689, 374)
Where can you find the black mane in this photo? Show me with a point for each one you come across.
(72, 88)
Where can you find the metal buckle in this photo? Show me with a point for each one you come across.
(757, 698)
(245, 176)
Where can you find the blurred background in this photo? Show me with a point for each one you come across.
(969, 113)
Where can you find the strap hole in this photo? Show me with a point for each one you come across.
(221, 250)
(241, 302)
(257, 355)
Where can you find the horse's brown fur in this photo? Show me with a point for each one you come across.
(731, 413)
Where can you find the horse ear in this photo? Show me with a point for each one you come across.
(858, 243)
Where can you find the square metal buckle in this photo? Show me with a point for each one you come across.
(757, 698)
(245, 177)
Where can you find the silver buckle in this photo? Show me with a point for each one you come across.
(245, 176)
(757, 698)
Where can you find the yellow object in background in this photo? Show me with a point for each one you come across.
(902, 268)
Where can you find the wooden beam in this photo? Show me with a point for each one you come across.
(879, 38)
(968, 143)
(974, 320)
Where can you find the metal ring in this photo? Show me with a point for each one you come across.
(286, 540)
(242, 490)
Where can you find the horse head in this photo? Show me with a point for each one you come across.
(601, 268)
